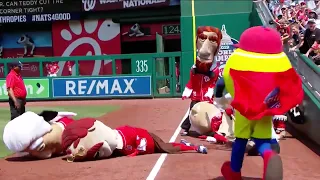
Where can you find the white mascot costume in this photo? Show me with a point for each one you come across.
(37, 135)
(212, 123)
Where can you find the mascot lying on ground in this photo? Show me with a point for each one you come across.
(205, 72)
(211, 123)
(260, 78)
(39, 135)
(90, 139)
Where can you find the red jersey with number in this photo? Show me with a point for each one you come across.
(15, 82)
(132, 138)
(201, 83)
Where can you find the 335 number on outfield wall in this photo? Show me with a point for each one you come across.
(142, 66)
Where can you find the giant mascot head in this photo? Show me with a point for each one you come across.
(203, 113)
(89, 139)
(37, 134)
(208, 43)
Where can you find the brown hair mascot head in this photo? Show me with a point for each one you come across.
(203, 113)
(39, 135)
(208, 44)
(89, 139)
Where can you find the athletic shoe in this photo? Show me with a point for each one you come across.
(185, 142)
(202, 149)
(185, 133)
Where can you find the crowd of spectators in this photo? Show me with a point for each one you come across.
(299, 25)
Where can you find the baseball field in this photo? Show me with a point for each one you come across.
(161, 116)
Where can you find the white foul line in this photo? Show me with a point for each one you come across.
(156, 168)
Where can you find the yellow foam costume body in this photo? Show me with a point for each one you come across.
(259, 77)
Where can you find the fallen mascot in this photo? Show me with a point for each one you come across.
(52, 133)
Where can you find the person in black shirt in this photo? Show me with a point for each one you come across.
(311, 35)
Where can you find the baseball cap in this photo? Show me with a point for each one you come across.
(16, 63)
(311, 21)
(260, 39)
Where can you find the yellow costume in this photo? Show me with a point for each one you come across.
(261, 79)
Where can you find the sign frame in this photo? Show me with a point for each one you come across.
(102, 96)
(46, 87)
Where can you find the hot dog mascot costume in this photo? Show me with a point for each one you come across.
(90, 139)
(38, 135)
(260, 78)
(205, 72)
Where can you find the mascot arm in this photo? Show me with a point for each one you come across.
(208, 138)
(142, 144)
(212, 84)
(141, 147)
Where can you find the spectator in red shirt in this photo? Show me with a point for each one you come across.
(53, 69)
(16, 90)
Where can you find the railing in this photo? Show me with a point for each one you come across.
(264, 13)
(125, 75)
(309, 72)
(89, 65)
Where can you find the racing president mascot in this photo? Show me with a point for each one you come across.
(205, 72)
(259, 77)
(90, 139)
(211, 123)
(39, 135)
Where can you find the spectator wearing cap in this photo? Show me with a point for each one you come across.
(16, 90)
(311, 35)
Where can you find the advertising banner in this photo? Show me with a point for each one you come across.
(226, 48)
(38, 10)
(89, 37)
(101, 87)
(36, 88)
(102, 5)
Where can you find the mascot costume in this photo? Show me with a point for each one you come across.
(39, 135)
(211, 123)
(90, 139)
(205, 72)
(217, 126)
(259, 77)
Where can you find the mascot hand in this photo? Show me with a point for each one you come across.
(209, 94)
(230, 113)
(186, 93)
(211, 139)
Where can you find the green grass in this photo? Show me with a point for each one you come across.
(82, 111)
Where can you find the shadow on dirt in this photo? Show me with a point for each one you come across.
(244, 178)
(21, 159)
(25, 158)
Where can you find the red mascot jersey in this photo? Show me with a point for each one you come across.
(200, 84)
(132, 138)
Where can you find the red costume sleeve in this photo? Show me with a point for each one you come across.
(265, 94)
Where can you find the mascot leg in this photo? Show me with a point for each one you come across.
(253, 151)
(272, 163)
(232, 170)
(174, 148)
(186, 125)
